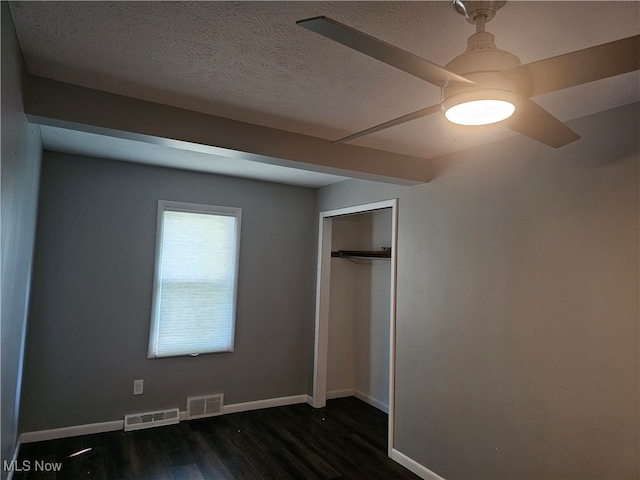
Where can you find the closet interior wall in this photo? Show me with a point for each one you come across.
(359, 310)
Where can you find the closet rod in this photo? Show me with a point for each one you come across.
(386, 253)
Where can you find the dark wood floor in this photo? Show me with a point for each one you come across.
(345, 440)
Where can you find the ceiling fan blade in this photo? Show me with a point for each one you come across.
(535, 122)
(391, 123)
(394, 56)
(582, 66)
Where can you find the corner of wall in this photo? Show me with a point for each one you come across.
(20, 171)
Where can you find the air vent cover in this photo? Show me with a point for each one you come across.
(206, 406)
(138, 421)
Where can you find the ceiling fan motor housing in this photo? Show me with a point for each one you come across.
(481, 63)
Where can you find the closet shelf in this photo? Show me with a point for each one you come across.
(369, 254)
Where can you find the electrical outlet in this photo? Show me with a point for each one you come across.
(138, 387)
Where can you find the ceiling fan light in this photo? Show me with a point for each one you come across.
(480, 112)
(480, 108)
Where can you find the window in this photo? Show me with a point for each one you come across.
(195, 281)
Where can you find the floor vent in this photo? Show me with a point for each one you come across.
(151, 419)
(206, 406)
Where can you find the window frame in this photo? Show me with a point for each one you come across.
(196, 208)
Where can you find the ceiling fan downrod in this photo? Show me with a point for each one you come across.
(477, 12)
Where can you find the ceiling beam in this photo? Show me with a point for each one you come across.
(49, 102)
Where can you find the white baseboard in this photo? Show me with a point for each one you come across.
(352, 392)
(76, 430)
(413, 466)
(345, 392)
(268, 403)
(374, 402)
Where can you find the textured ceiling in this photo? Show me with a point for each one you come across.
(249, 61)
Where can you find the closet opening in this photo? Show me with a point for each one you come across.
(354, 349)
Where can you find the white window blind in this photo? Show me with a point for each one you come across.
(195, 281)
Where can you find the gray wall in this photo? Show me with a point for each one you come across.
(91, 295)
(517, 313)
(21, 152)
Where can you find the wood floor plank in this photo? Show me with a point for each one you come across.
(257, 450)
(333, 452)
(209, 464)
(299, 451)
(186, 472)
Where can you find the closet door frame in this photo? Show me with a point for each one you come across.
(323, 284)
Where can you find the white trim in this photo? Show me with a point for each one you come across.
(345, 392)
(73, 431)
(76, 430)
(323, 274)
(363, 208)
(392, 328)
(413, 466)
(267, 403)
(352, 392)
(374, 402)
(321, 328)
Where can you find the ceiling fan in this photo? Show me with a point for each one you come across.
(487, 85)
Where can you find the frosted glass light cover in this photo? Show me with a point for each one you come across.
(480, 112)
